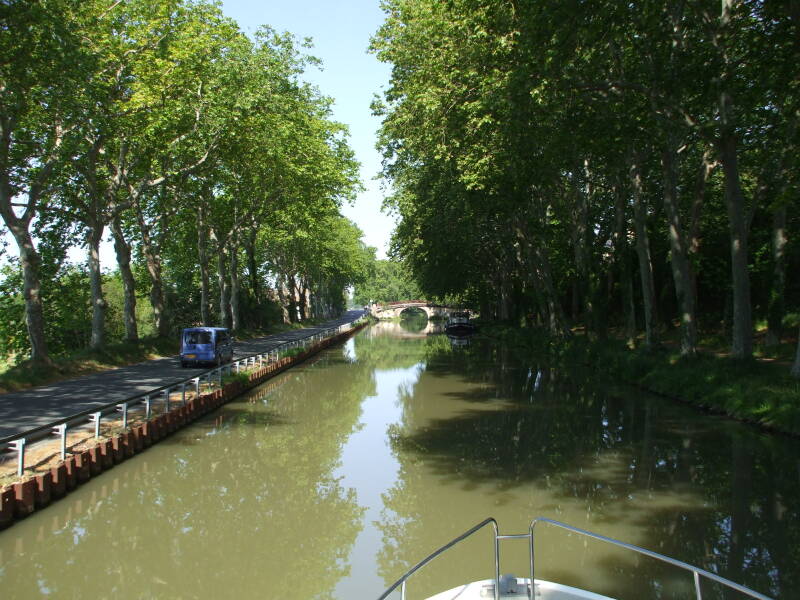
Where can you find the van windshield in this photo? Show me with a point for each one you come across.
(197, 337)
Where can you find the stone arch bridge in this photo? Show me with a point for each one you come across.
(392, 310)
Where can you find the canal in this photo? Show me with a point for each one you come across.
(332, 479)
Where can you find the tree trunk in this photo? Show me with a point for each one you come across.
(224, 289)
(742, 333)
(94, 237)
(202, 259)
(796, 366)
(31, 290)
(742, 340)
(643, 254)
(280, 289)
(292, 298)
(580, 245)
(236, 321)
(775, 309)
(556, 321)
(29, 257)
(303, 291)
(679, 258)
(707, 166)
(623, 267)
(123, 252)
(252, 265)
(153, 264)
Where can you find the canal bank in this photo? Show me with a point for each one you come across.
(761, 393)
(52, 480)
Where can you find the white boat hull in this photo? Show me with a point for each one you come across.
(545, 590)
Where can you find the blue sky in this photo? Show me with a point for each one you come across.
(340, 31)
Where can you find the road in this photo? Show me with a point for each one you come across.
(27, 409)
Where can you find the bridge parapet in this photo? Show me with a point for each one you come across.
(392, 310)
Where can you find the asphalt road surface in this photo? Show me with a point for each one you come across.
(21, 411)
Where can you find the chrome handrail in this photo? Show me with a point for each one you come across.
(696, 571)
(450, 544)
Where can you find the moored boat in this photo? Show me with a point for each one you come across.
(510, 586)
(459, 324)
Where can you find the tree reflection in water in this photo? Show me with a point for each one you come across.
(244, 504)
(484, 435)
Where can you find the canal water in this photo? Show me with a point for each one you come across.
(335, 477)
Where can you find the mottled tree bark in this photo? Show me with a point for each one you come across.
(236, 320)
(643, 254)
(292, 298)
(775, 309)
(30, 260)
(796, 366)
(252, 264)
(153, 264)
(623, 267)
(580, 246)
(742, 341)
(224, 286)
(202, 259)
(123, 252)
(94, 237)
(679, 256)
(283, 298)
(742, 338)
(19, 226)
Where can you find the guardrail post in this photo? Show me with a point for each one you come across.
(183, 393)
(166, 393)
(19, 446)
(95, 418)
(61, 430)
(147, 406)
(196, 386)
(124, 415)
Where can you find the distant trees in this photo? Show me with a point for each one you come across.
(198, 149)
(598, 161)
(387, 281)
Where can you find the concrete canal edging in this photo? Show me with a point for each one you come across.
(35, 492)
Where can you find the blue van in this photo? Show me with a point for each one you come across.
(206, 345)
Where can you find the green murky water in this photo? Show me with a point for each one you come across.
(334, 478)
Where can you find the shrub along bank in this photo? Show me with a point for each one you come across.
(756, 391)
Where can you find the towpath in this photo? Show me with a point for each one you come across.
(20, 411)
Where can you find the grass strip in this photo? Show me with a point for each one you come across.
(756, 391)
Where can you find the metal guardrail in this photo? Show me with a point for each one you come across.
(144, 401)
(401, 583)
(697, 572)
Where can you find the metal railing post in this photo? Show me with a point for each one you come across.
(96, 420)
(183, 393)
(147, 407)
(61, 430)
(19, 446)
